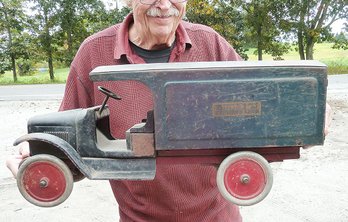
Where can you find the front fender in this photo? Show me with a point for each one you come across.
(59, 143)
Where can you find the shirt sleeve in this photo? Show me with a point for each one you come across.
(226, 51)
(79, 88)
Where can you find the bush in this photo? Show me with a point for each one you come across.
(25, 67)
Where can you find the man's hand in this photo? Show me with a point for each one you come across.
(328, 118)
(13, 161)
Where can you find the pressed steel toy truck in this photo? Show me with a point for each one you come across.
(240, 115)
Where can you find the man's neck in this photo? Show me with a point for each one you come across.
(146, 41)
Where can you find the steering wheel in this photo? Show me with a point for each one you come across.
(108, 93)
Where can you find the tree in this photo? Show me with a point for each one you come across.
(60, 27)
(223, 16)
(44, 25)
(11, 25)
(243, 23)
(4, 61)
(263, 21)
(311, 21)
(72, 25)
(81, 18)
(341, 39)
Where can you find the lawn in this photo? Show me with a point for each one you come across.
(41, 77)
(336, 60)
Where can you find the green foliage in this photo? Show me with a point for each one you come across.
(74, 23)
(44, 22)
(79, 19)
(341, 41)
(310, 21)
(5, 64)
(11, 27)
(223, 16)
(278, 49)
(339, 66)
(25, 67)
(263, 21)
(243, 23)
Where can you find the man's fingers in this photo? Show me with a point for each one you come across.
(12, 164)
(328, 118)
(24, 149)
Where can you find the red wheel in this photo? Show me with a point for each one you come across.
(244, 178)
(44, 180)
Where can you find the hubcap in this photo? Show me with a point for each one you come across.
(245, 179)
(44, 181)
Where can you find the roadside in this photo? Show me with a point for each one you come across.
(32, 92)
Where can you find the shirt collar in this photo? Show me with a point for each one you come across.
(183, 41)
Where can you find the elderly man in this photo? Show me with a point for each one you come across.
(153, 32)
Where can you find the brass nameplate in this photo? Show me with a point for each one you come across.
(237, 109)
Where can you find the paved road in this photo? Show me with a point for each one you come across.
(55, 91)
(338, 83)
(32, 92)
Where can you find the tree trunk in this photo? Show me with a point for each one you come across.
(50, 58)
(13, 64)
(12, 54)
(50, 67)
(69, 33)
(259, 42)
(69, 27)
(300, 31)
(48, 46)
(310, 49)
(300, 44)
(70, 45)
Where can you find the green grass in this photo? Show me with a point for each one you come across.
(60, 76)
(336, 60)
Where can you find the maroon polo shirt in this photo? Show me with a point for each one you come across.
(178, 192)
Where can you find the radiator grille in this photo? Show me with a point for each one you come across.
(61, 134)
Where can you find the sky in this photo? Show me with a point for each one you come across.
(337, 26)
(112, 3)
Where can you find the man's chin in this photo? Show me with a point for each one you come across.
(162, 21)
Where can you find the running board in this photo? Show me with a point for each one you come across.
(120, 169)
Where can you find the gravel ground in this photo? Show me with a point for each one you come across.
(311, 189)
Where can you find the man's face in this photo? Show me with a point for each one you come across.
(159, 20)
